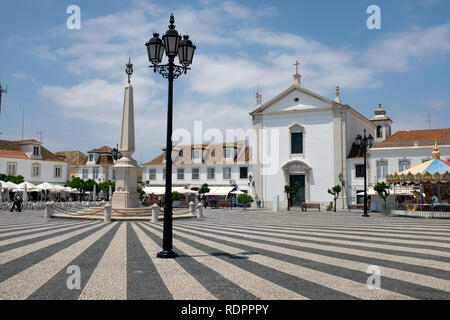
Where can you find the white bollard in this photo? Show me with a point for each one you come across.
(48, 212)
(276, 203)
(107, 213)
(155, 209)
(200, 210)
(192, 208)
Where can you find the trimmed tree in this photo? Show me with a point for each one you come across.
(290, 191)
(383, 191)
(335, 193)
(245, 199)
(79, 184)
(175, 196)
(203, 189)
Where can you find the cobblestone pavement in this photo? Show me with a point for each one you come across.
(229, 254)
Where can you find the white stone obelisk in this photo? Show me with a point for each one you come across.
(125, 194)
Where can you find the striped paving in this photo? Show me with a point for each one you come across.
(229, 254)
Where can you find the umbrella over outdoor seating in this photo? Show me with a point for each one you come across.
(45, 186)
(30, 187)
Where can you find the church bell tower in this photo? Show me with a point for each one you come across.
(383, 123)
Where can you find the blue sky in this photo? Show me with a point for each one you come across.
(70, 83)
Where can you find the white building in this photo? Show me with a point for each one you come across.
(303, 137)
(97, 166)
(31, 160)
(223, 165)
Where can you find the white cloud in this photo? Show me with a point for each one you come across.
(399, 51)
(220, 88)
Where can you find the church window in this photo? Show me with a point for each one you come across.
(297, 139)
(296, 142)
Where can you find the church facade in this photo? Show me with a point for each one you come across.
(306, 138)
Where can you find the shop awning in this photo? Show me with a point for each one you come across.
(219, 191)
(162, 190)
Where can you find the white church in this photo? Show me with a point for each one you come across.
(304, 137)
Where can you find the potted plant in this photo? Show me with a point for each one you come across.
(245, 199)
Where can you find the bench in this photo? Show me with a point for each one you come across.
(306, 206)
(224, 204)
(355, 206)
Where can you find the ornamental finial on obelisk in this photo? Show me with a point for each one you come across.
(129, 70)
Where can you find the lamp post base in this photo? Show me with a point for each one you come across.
(365, 215)
(166, 254)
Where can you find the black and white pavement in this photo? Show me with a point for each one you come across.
(229, 254)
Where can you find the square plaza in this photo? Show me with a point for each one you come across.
(227, 255)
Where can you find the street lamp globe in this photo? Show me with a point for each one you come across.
(370, 141)
(358, 140)
(155, 49)
(171, 39)
(186, 51)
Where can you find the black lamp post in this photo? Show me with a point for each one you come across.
(116, 154)
(365, 143)
(172, 44)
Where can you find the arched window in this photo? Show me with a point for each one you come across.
(297, 136)
(379, 132)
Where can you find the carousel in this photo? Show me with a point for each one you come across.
(430, 182)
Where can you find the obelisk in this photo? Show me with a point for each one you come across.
(125, 194)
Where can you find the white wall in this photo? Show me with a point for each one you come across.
(318, 153)
(24, 168)
(187, 181)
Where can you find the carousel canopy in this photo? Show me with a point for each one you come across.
(434, 170)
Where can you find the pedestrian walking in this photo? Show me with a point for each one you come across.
(16, 203)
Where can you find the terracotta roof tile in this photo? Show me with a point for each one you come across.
(13, 154)
(7, 145)
(104, 149)
(420, 135)
(28, 141)
(76, 158)
(105, 159)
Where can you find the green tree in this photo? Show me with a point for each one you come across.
(175, 196)
(202, 190)
(245, 199)
(335, 191)
(383, 190)
(104, 186)
(89, 185)
(290, 191)
(79, 184)
(140, 191)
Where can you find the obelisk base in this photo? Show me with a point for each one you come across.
(125, 199)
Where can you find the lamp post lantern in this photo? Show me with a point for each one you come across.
(172, 45)
(365, 143)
